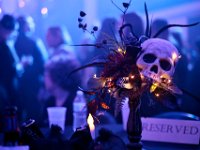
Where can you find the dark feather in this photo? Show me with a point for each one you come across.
(150, 30)
(191, 95)
(98, 45)
(173, 25)
(131, 29)
(94, 64)
(86, 91)
(147, 20)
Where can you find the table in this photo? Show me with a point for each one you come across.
(147, 145)
(119, 131)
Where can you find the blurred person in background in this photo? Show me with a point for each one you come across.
(85, 56)
(8, 71)
(192, 102)
(196, 71)
(186, 72)
(58, 41)
(106, 34)
(157, 24)
(136, 22)
(61, 88)
(32, 54)
(182, 72)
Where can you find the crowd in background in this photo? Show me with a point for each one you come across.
(34, 76)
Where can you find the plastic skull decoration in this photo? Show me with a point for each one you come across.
(158, 59)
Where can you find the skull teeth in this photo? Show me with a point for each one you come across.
(151, 75)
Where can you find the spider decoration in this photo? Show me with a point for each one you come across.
(133, 66)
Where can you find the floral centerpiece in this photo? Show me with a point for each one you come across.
(133, 66)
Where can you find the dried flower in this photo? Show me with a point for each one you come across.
(126, 5)
(82, 14)
(80, 19)
(95, 28)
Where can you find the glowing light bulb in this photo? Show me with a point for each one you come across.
(157, 94)
(109, 79)
(169, 81)
(174, 56)
(141, 76)
(119, 50)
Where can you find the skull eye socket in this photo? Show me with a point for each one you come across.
(149, 58)
(165, 64)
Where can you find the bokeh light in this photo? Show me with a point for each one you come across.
(21, 3)
(44, 11)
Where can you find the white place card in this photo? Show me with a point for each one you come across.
(24, 147)
(171, 130)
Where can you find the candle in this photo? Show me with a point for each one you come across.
(90, 122)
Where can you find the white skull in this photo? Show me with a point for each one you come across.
(158, 59)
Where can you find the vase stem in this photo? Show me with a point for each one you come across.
(134, 125)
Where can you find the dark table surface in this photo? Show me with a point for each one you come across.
(117, 129)
(148, 145)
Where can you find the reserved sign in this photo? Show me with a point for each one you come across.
(171, 130)
(25, 147)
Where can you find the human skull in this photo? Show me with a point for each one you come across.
(158, 59)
